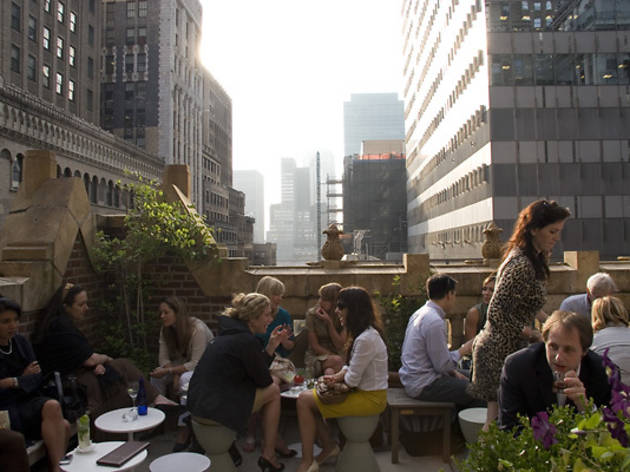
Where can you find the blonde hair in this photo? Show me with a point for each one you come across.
(329, 292)
(608, 310)
(270, 286)
(247, 307)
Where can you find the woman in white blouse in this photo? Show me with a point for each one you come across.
(366, 370)
(609, 319)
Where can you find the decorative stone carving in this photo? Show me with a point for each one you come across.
(332, 249)
(491, 247)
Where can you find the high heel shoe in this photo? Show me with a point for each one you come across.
(333, 452)
(266, 466)
(314, 467)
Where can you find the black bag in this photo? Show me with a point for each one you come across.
(71, 395)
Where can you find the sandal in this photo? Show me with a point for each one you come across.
(288, 454)
(250, 444)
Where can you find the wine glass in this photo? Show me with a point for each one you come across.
(132, 391)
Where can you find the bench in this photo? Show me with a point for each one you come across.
(400, 404)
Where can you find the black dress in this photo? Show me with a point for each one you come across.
(23, 403)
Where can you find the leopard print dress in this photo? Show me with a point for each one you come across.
(517, 297)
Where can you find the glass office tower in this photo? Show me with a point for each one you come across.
(510, 101)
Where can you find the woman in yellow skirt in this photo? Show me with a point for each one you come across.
(366, 371)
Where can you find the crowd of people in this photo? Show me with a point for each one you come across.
(506, 363)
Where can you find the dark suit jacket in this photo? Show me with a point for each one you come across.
(527, 380)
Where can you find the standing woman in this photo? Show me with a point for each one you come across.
(519, 296)
(183, 339)
(33, 415)
(232, 380)
(366, 370)
(326, 335)
(273, 289)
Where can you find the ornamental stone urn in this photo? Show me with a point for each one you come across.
(491, 247)
(332, 249)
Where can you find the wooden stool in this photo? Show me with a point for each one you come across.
(400, 404)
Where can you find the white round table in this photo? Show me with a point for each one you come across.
(184, 461)
(86, 461)
(112, 421)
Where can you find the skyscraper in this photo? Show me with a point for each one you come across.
(371, 116)
(252, 183)
(510, 101)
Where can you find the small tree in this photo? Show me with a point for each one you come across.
(153, 228)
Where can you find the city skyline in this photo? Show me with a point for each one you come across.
(288, 76)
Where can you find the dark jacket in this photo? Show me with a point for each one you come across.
(28, 385)
(233, 366)
(527, 380)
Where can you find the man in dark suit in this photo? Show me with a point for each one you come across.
(562, 369)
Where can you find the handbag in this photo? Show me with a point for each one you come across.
(331, 393)
(71, 395)
(282, 368)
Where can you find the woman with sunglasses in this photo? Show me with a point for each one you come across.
(366, 371)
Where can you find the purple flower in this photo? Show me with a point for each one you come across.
(615, 426)
(543, 430)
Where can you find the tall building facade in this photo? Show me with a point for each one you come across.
(252, 183)
(374, 199)
(510, 101)
(49, 99)
(292, 221)
(371, 116)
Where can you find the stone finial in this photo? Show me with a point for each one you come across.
(491, 247)
(332, 249)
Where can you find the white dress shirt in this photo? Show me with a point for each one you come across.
(368, 362)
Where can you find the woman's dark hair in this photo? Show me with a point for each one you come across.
(536, 215)
(361, 313)
(6, 304)
(177, 336)
(64, 296)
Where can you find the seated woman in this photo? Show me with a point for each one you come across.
(33, 415)
(609, 319)
(232, 380)
(476, 316)
(273, 289)
(366, 370)
(326, 335)
(183, 339)
(62, 347)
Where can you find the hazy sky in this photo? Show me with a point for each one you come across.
(289, 65)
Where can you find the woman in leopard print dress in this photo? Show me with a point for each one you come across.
(518, 298)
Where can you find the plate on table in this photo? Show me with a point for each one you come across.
(294, 392)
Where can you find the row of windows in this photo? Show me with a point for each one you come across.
(16, 18)
(134, 6)
(560, 69)
(471, 180)
(133, 63)
(524, 15)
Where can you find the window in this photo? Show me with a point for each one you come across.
(61, 12)
(90, 35)
(141, 93)
(15, 58)
(142, 62)
(544, 69)
(537, 6)
(59, 84)
(142, 8)
(525, 5)
(142, 35)
(131, 36)
(16, 15)
(109, 36)
(31, 68)
(72, 56)
(73, 22)
(59, 47)
(131, 8)
(109, 65)
(46, 38)
(129, 90)
(32, 28)
(89, 99)
(47, 6)
(71, 90)
(90, 68)
(128, 62)
(46, 76)
(92, 6)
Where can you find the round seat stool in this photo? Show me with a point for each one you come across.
(216, 440)
(357, 454)
(184, 461)
(471, 420)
